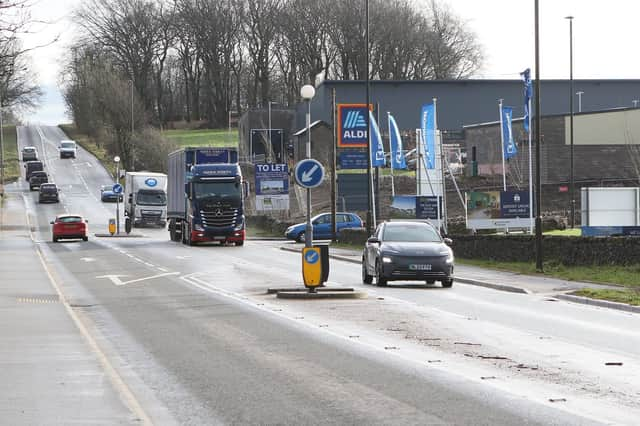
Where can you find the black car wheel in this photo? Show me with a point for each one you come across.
(447, 283)
(85, 238)
(301, 237)
(366, 278)
(381, 281)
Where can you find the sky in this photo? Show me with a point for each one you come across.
(604, 34)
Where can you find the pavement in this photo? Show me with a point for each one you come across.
(502, 280)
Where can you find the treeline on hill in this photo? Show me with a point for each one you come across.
(199, 59)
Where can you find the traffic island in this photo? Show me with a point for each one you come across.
(120, 235)
(319, 293)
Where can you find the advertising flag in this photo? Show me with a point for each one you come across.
(428, 126)
(509, 145)
(395, 142)
(377, 150)
(526, 78)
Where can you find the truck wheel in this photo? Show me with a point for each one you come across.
(172, 233)
(239, 243)
(127, 225)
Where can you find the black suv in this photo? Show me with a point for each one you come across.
(37, 179)
(30, 167)
(49, 192)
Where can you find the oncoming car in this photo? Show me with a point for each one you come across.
(407, 251)
(107, 194)
(69, 226)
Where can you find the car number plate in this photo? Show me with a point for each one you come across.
(420, 267)
(219, 238)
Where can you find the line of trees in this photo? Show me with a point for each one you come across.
(200, 59)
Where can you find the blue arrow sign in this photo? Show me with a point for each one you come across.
(311, 257)
(309, 173)
(117, 188)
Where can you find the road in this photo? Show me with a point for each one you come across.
(188, 335)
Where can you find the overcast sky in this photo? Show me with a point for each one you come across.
(604, 33)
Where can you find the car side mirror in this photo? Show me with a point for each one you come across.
(448, 241)
(373, 240)
(51, 222)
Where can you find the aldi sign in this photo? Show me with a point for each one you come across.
(352, 125)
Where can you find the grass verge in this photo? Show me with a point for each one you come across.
(630, 296)
(11, 160)
(203, 137)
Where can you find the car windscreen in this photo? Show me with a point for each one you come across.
(219, 191)
(151, 198)
(410, 233)
(68, 145)
(106, 188)
(70, 219)
(29, 150)
(48, 188)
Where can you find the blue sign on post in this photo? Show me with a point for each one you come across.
(309, 173)
(311, 257)
(117, 188)
(353, 160)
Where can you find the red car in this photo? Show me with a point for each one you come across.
(69, 226)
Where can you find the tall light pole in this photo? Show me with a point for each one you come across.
(270, 143)
(572, 198)
(580, 93)
(116, 159)
(308, 92)
(370, 226)
(133, 154)
(1, 147)
(538, 178)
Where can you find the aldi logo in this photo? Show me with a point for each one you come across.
(352, 125)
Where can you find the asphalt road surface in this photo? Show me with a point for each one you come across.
(187, 335)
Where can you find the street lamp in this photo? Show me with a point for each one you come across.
(116, 159)
(270, 144)
(573, 201)
(580, 93)
(635, 103)
(1, 148)
(308, 92)
(133, 154)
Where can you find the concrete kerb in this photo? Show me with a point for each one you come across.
(326, 294)
(598, 302)
(120, 235)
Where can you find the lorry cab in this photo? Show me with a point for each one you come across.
(146, 198)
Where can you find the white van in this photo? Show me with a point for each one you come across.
(67, 148)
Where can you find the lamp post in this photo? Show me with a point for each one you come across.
(635, 103)
(538, 178)
(370, 226)
(133, 154)
(572, 198)
(1, 147)
(270, 143)
(580, 93)
(307, 92)
(116, 159)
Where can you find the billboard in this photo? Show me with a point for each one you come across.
(352, 125)
(416, 207)
(498, 209)
(272, 186)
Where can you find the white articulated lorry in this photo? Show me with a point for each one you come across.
(145, 199)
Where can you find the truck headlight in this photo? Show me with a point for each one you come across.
(387, 259)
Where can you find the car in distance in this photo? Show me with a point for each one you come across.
(69, 226)
(37, 178)
(29, 153)
(67, 149)
(107, 194)
(49, 192)
(407, 251)
(30, 167)
(322, 226)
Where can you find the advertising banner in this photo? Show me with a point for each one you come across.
(427, 207)
(352, 125)
(272, 186)
(498, 209)
(416, 207)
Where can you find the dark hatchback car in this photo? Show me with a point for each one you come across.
(49, 193)
(32, 166)
(107, 194)
(407, 251)
(37, 179)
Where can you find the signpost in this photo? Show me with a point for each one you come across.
(309, 173)
(272, 186)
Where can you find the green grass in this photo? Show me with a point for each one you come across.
(203, 137)
(11, 160)
(575, 232)
(253, 231)
(630, 296)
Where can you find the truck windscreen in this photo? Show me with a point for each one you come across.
(219, 191)
(151, 198)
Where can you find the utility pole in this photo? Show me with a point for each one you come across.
(571, 190)
(538, 138)
(1, 147)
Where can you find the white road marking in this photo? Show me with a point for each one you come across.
(115, 279)
(162, 269)
(87, 259)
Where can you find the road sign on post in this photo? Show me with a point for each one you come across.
(117, 188)
(311, 267)
(309, 173)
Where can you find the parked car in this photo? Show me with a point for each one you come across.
(29, 153)
(322, 226)
(32, 166)
(408, 251)
(49, 192)
(67, 149)
(69, 226)
(37, 178)
(107, 194)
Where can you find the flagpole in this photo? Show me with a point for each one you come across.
(372, 192)
(438, 138)
(504, 171)
(530, 175)
(393, 190)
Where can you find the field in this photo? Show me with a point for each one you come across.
(203, 137)
(12, 164)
